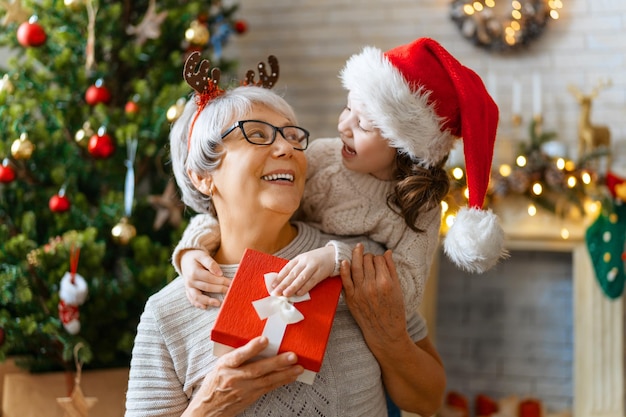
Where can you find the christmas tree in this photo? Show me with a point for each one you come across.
(88, 209)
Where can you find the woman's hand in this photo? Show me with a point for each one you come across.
(237, 381)
(412, 372)
(202, 275)
(374, 296)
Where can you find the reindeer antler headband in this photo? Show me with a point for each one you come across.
(196, 73)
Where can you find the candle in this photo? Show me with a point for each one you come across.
(536, 94)
(517, 98)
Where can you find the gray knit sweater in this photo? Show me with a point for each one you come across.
(173, 353)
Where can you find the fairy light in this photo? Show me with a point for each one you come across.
(586, 178)
(565, 233)
(560, 164)
(468, 9)
(571, 181)
(505, 170)
(466, 193)
(477, 6)
(449, 220)
(490, 3)
(532, 210)
(444, 207)
(537, 188)
(458, 173)
(521, 161)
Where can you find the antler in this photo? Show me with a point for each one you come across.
(265, 80)
(199, 79)
(602, 83)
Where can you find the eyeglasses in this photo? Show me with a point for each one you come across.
(258, 132)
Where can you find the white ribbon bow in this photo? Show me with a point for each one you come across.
(279, 312)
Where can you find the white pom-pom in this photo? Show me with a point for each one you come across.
(73, 326)
(76, 293)
(475, 242)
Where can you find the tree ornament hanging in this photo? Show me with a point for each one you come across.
(74, 5)
(22, 148)
(124, 231)
(101, 145)
(31, 33)
(7, 173)
(97, 93)
(83, 135)
(6, 86)
(241, 27)
(77, 405)
(175, 111)
(197, 33)
(72, 294)
(59, 203)
(131, 107)
(15, 13)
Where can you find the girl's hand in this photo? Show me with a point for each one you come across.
(305, 271)
(202, 275)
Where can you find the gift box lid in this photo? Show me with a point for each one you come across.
(238, 321)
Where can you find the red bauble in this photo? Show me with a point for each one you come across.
(59, 203)
(485, 406)
(131, 107)
(7, 174)
(31, 34)
(97, 93)
(101, 145)
(241, 27)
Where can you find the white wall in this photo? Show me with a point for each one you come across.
(313, 38)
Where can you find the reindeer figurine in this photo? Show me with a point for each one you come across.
(590, 136)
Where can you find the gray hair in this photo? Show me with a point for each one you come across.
(205, 145)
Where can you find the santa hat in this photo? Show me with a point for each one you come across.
(422, 99)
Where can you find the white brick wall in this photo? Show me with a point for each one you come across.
(509, 331)
(313, 38)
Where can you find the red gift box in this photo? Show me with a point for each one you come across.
(295, 324)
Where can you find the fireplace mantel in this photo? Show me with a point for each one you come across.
(598, 321)
(598, 368)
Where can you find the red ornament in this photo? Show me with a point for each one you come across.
(59, 203)
(97, 93)
(485, 406)
(31, 33)
(101, 145)
(7, 174)
(530, 408)
(241, 27)
(131, 107)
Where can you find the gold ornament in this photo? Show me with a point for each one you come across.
(174, 112)
(6, 84)
(15, 13)
(76, 405)
(168, 207)
(22, 148)
(82, 135)
(74, 4)
(123, 232)
(197, 33)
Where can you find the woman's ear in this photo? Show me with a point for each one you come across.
(202, 184)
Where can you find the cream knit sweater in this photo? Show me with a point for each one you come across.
(173, 353)
(342, 202)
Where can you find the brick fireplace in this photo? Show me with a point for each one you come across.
(538, 325)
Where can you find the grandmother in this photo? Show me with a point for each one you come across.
(239, 154)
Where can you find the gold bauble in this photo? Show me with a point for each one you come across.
(123, 232)
(74, 4)
(6, 84)
(174, 112)
(82, 135)
(197, 33)
(22, 148)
